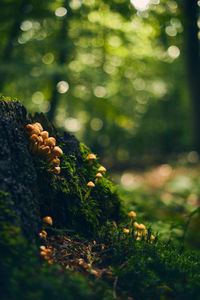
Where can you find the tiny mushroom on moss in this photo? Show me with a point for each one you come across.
(48, 220)
(56, 170)
(98, 176)
(132, 214)
(135, 224)
(141, 227)
(152, 237)
(126, 231)
(101, 169)
(90, 185)
(91, 157)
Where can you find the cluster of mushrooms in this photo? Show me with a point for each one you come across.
(91, 157)
(138, 230)
(43, 145)
(46, 252)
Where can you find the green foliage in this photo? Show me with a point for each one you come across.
(123, 78)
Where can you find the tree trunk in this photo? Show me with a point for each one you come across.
(193, 63)
(62, 41)
(7, 53)
(36, 193)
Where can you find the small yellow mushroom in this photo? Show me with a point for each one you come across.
(43, 234)
(135, 224)
(90, 185)
(138, 238)
(48, 251)
(126, 231)
(50, 261)
(48, 220)
(43, 248)
(44, 135)
(54, 162)
(33, 143)
(29, 129)
(132, 214)
(57, 170)
(98, 176)
(101, 169)
(43, 253)
(46, 257)
(152, 237)
(51, 142)
(91, 157)
(39, 126)
(141, 227)
(44, 150)
(57, 151)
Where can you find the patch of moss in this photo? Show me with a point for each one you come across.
(64, 196)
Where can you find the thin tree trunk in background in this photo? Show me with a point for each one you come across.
(14, 33)
(193, 64)
(62, 40)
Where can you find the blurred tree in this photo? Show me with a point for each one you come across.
(112, 75)
(191, 10)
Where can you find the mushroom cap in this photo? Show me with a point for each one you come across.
(135, 224)
(125, 230)
(101, 169)
(29, 127)
(152, 237)
(91, 184)
(48, 220)
(34, 138)
(43, 253)
(132, 214)
(57, 151)
(38, 125)
(48, 250)
(44, 232)
(56, 170)
(44, 135)
(141, 227)
(99, 175)
(35, 130)
(54, 162)
(50, 142)
(91, 157)
(44, 149)
(43, 248)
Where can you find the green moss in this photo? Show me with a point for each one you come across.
(68, 191)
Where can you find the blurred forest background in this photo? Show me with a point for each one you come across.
(124, 77)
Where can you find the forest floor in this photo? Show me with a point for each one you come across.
(166, 196)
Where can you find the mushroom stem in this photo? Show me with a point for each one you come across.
(88, 193)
